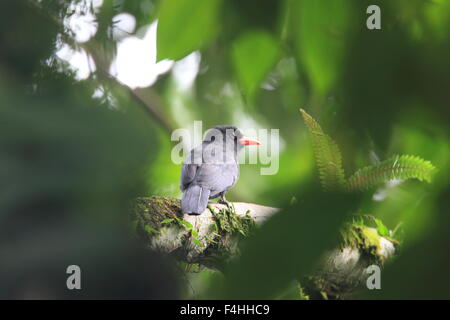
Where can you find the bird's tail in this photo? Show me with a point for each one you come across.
(194, 200)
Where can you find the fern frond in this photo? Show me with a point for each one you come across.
(327, 154)
(397, 167)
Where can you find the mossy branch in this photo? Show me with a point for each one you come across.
(209, 238)
(160, 224)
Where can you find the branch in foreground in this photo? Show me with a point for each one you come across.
(211, 238)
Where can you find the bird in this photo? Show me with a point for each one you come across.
(211, 169)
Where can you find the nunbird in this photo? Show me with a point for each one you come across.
(212, 168)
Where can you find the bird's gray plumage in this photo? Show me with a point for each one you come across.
(210, 169)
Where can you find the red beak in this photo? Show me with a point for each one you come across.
(249, 142)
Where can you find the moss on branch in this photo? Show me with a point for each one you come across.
(211, 240)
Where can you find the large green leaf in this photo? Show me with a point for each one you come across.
(320, 28)
(254, 54)
(185, 26)
(286, 247)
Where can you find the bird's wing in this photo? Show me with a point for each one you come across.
(190, 167)
(188, 172)
(216, 177)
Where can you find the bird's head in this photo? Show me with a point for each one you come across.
(229, 135)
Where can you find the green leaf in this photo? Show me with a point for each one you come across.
(327, 154)
(381, 228)
(185, 26)
(194, 233)
(320, 28)
(294, 239)
(198, 242)
(167, 221)
(150, 229)
(397, 167)
(186, 224)
(254, 54)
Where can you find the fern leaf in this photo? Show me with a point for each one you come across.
(397, 167)
(327, 154)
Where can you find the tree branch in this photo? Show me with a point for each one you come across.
(211, 239)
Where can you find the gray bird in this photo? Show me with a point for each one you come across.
(212, 168)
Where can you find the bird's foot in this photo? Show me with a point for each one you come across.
(224, 201)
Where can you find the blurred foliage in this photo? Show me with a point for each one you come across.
(286, 248)
(320, 31)
(69, 166)
(254, 54)
(70, 161)
(185, 26)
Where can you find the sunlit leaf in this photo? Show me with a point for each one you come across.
(320, 28)
(186, 224)
(254, 54)
(167, 221)
(150, 229)
(185, 26)
(327, 153)
(396, 167)
(381, 228)
(198, 242)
